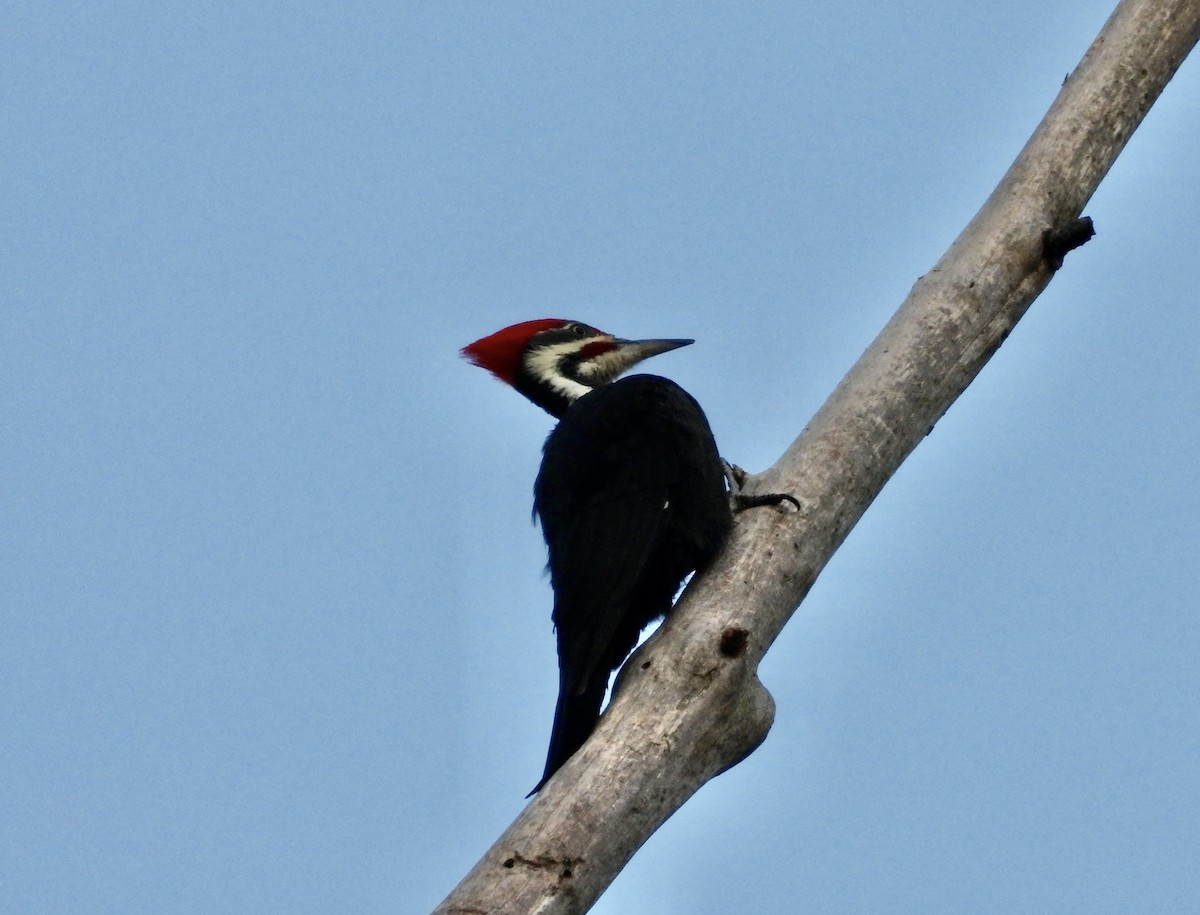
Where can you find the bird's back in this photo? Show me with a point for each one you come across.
(631, 498)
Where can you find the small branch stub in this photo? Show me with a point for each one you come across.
(1058, 243)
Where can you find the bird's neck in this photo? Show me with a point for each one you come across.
(553, 392)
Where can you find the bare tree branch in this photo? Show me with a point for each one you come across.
(690, 704)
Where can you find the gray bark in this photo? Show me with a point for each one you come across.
(689, 703)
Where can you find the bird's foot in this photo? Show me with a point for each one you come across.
(740, 501)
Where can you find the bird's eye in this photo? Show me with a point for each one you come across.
(578, 330)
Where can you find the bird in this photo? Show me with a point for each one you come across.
(631, 497)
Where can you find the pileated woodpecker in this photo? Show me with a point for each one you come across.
(631, 497)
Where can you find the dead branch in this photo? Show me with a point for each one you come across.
(690, 704)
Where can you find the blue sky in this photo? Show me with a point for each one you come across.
(276, 627)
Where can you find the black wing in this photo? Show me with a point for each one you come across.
(631, 499)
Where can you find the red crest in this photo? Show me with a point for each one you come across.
(500, 353)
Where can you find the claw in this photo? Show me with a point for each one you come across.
(739, 501)
(734, 475)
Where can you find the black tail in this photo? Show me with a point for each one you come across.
(575, 718)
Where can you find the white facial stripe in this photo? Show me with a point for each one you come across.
(544, 361)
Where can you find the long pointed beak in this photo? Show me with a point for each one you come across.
(631, 352)
(624, 354)
(637, 350)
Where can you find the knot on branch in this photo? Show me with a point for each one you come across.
(564, 866)
(733, 642)
(1058, 243)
